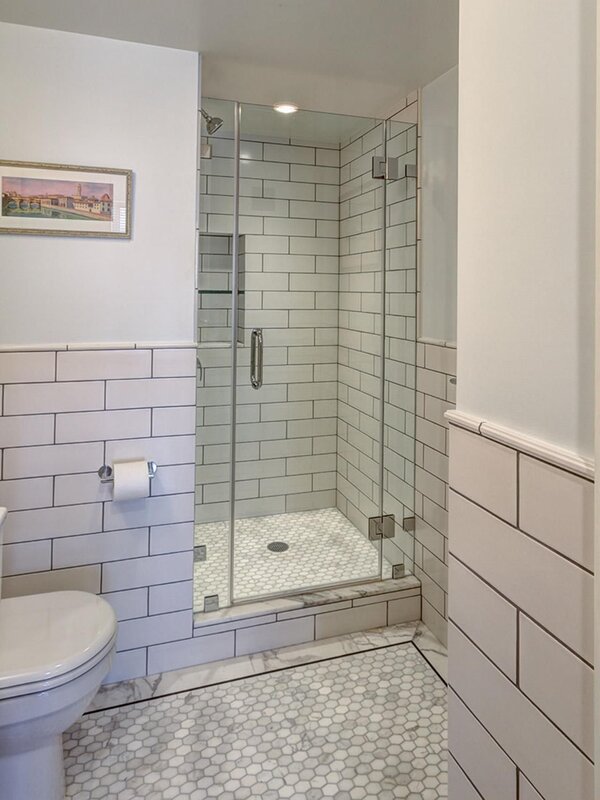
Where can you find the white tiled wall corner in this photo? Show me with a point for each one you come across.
(521, 644)
(65, 413)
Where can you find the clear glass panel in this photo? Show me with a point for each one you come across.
(308, 439)
(212, 556)
(400, 347)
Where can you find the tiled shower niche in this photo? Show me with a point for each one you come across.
(311, 226)
(215, 252)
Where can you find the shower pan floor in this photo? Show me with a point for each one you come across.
(324, 548)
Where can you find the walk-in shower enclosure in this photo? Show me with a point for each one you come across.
(306, 303)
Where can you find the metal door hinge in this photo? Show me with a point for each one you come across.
(389, 169)
(199, 552)
(211, 602)
(409, 524)
(382, 527)
(398, 571)
(384, 168)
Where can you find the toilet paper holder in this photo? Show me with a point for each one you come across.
(105, 473)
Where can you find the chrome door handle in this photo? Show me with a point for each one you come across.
(256, 358)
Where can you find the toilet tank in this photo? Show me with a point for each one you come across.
(2, 520)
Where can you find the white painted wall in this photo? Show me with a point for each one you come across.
(439, 168)
(68, 98)
(526, 217)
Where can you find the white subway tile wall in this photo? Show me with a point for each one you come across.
(65, 413)
(521, 625)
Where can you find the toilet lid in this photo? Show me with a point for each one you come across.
(46, 635)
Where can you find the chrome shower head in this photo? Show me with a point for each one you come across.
(212, 123)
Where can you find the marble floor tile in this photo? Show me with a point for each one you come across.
(432, 649)
(164, 683)
(368, 726)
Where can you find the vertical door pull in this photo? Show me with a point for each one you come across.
(256, 358)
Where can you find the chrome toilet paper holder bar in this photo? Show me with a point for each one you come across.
(105, 473)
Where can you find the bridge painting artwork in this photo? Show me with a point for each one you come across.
(56, 199)
(62, 200)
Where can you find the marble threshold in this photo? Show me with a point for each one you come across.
(215, 672)
(322, 597)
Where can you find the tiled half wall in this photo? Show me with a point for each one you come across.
(65, 413)
(521, 624)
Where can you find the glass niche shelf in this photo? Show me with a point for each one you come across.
(219, 291)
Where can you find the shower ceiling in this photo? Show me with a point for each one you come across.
(349, 56)
(304, 126)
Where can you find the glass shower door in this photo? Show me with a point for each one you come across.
(309, 360)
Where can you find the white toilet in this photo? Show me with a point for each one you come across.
(55, 650)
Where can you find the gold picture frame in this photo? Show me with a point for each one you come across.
(40, 199)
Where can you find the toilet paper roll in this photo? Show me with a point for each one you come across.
(131, 480)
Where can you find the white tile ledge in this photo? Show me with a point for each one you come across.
(437, 342)
(45, 348)
(538, 448)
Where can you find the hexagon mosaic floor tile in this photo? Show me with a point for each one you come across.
(324, 548)
(369, 726)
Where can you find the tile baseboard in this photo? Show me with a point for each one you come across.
(146, 688)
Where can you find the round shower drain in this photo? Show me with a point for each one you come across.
(278, 547)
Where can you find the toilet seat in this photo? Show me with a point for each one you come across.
(49, 639)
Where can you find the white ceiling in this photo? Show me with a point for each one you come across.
(350, 56)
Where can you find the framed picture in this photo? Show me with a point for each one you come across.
(62, 200)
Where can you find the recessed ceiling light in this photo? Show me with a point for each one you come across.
(286, 108)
